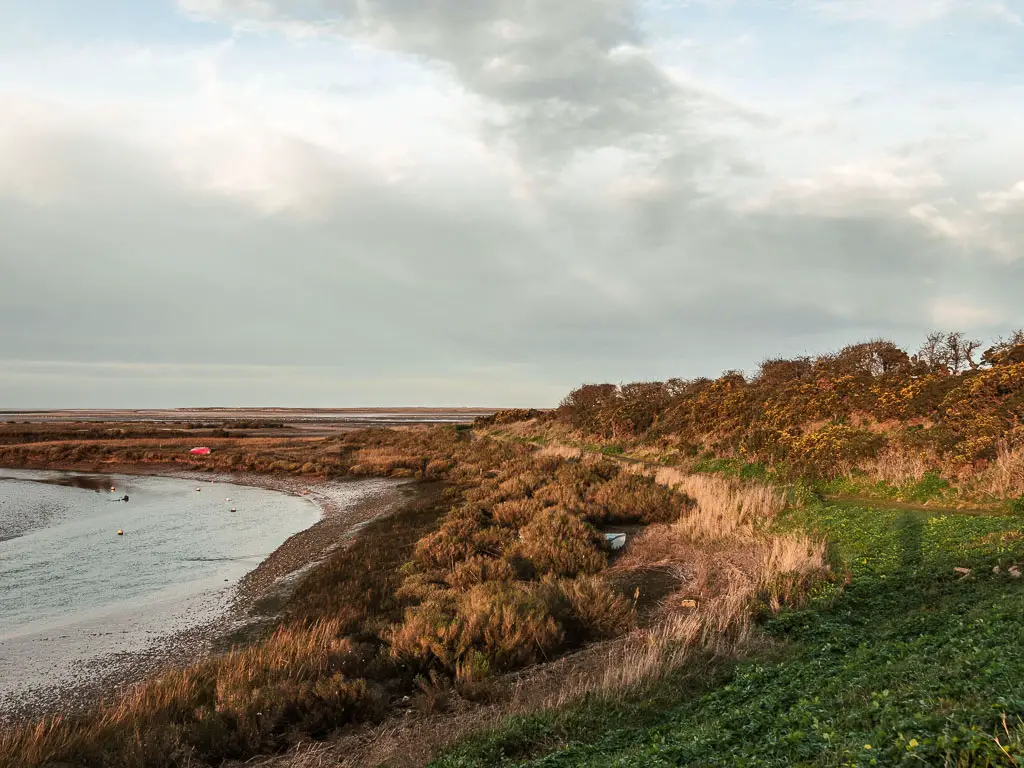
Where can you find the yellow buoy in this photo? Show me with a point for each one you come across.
(120, 532)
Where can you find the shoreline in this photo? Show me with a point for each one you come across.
(245, 607)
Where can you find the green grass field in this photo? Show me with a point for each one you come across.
(910, 663)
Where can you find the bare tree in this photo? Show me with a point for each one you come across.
(948, 352)
(1005, 351)
(960, 351)
(931, 355)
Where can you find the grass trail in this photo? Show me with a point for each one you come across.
(911, 663)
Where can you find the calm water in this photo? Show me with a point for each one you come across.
(71, 588)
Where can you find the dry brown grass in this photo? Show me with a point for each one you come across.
(725, 563)
(724, 506)
(385, 460)
(561, 451)
(231, 706)
(1004, 477)
(897, 465)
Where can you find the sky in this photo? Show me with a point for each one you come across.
(441, 202)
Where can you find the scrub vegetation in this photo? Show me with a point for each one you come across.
(821, 568)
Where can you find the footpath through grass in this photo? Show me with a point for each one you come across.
(911, 663)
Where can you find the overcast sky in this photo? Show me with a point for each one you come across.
(488, 202)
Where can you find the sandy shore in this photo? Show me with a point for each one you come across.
(237, 610)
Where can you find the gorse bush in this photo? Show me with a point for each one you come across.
(826, 415)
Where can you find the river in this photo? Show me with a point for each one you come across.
(73, 590)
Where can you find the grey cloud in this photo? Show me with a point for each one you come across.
(151, 274)
(569, 76)
(167, 279)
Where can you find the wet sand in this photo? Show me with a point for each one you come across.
(172, 632)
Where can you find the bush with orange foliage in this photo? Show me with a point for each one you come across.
(800, 413)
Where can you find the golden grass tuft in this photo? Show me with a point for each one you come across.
(898, 465)
(560, 451)
(1004, 477)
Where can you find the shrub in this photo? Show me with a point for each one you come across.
(560, 543)
(928, 487)
(832, 450)
(598, 611)
(507, 416)
(635, 499)
(507, 625)
(516, 513)
(467, 531)
(480, 569)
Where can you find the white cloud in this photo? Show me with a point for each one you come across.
(872, 184)
(930, 216)
(960, 313)
(997, 202)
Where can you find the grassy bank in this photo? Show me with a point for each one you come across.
(904, 661)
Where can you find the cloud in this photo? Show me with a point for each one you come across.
(568, 78)
(910, 13)
(952, 312)
(386, 201)
(871, 184)
(1009, 200)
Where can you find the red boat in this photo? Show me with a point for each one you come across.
(200, 451)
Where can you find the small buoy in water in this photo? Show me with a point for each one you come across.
(120, 532)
